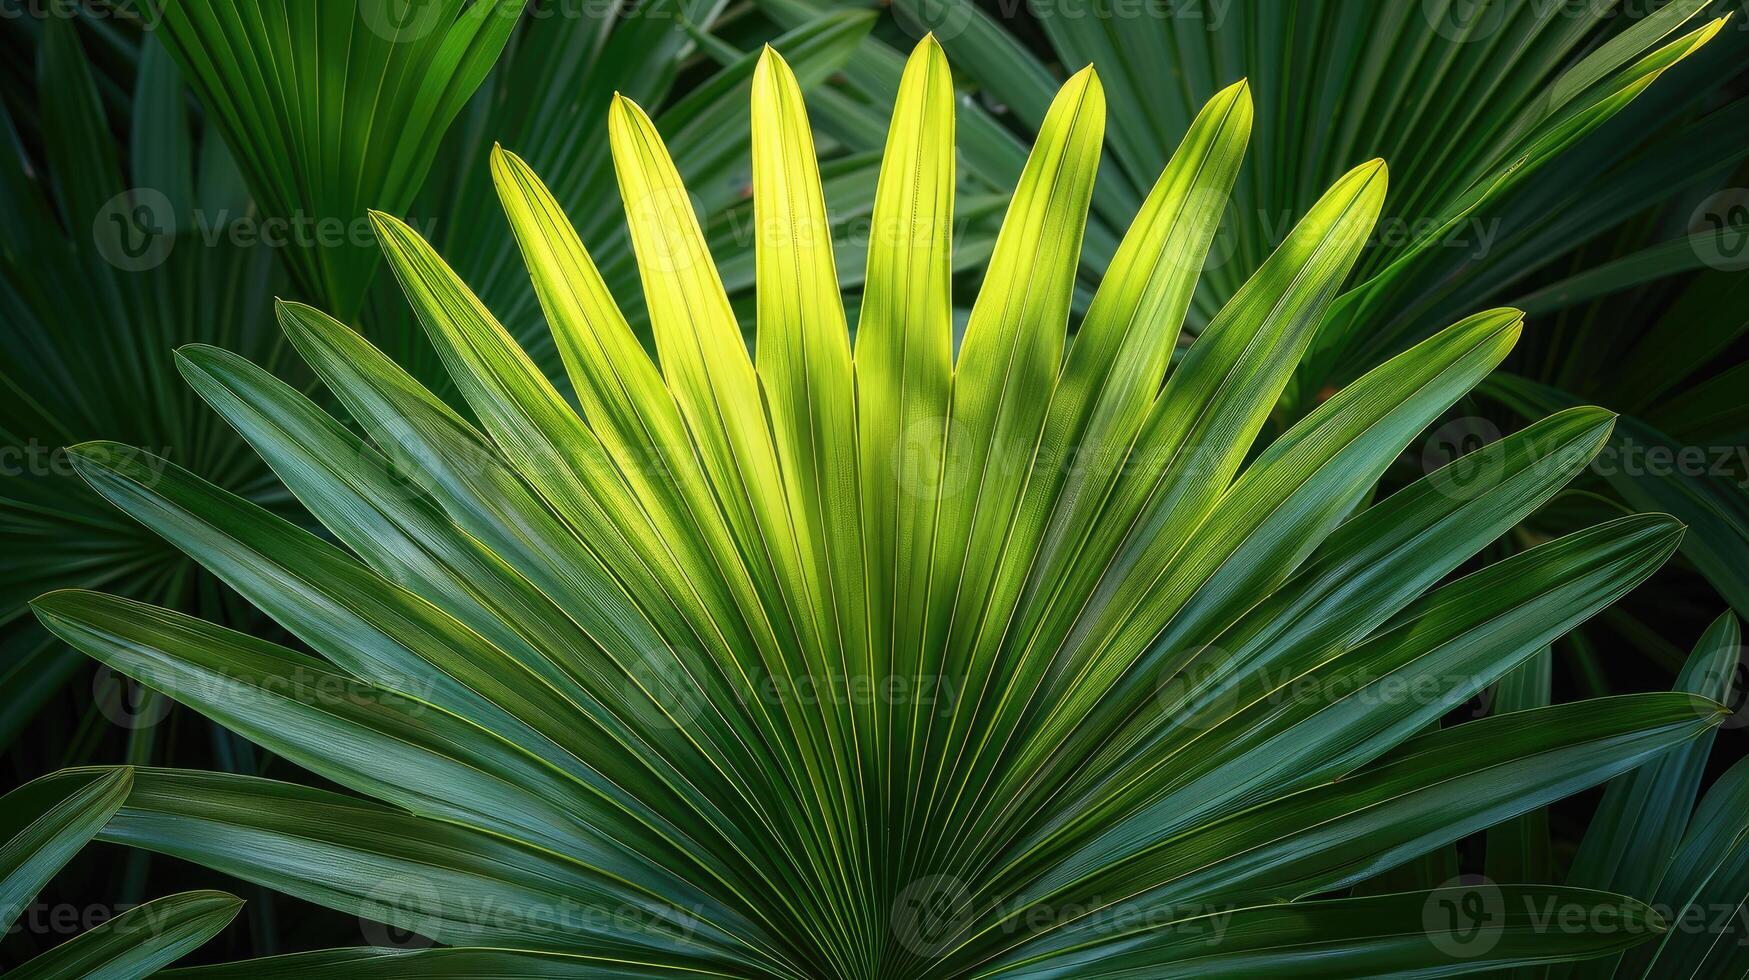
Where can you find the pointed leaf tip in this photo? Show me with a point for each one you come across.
(1239, 93)
(47, 603)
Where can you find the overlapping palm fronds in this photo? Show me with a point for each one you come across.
(1550, 156)
(104, 267)
(111, 262)
(876, 659)
(42, 825)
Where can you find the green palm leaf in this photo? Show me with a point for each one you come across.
(1543, 153)
(138, 942)
(1468, 101)
(872, 660)
(323, 136)
(92, 322)
(43, 824)
(103, 270)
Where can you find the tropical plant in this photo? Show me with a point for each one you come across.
(1650, 837)
(1482, 107)
(43, 824)
(113, 256)
(1647, 836)
(885, 661)
(102, 270)
(1550, 157)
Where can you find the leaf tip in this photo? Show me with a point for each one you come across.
(1087, 77)
(49, 603)
(384, 223)
(622, 118)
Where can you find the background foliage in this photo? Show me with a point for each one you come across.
(165, 176)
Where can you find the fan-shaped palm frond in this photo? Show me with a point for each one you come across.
(335, 107)
(879, 660)
(327, 153)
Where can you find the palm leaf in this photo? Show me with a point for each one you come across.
(47, 822)
(1635, 834)
(103, 270)
(186, 207)
(138, 942)
(322, 136)
(630, 671)
(1542, 157)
